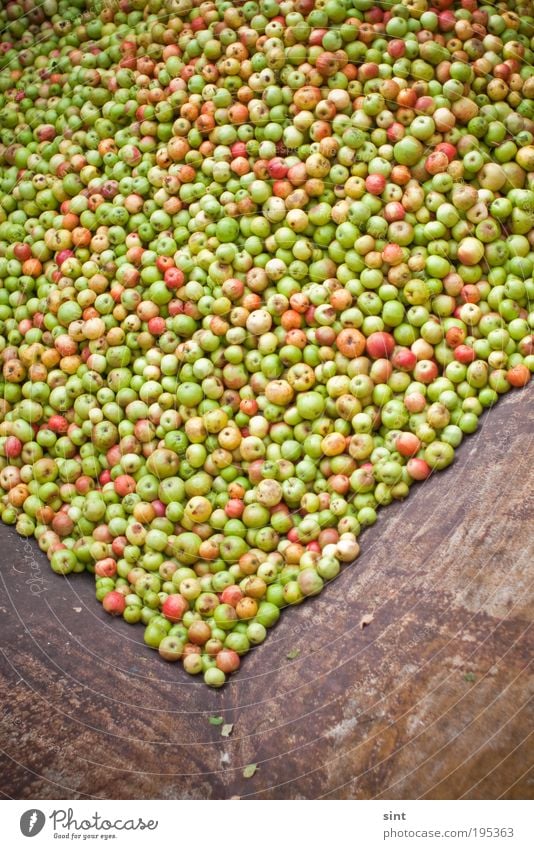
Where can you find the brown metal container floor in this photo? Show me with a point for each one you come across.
(430, 700)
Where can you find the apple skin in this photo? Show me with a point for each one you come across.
(228, 660)
(425, 371)
(124, 484)
(171, 648)
(22, 251)
(375, 184)
(439, 455)
(380, 344)
(231, 595)
(438, 416)
(464, 354)
(174, 607)
(403, 359)
(415, 402)
(114, 603)
(277, 169)
(12, 447)
(381, 370)
(418, 469)
(407, 444)
(455, 336)
(325, 335)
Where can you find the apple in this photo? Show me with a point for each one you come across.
(171, 648)
(439, 455)
(228, 660)
(114, 603)
(407, 444)
(231, 595)
(425, 371)
(418, 469)
(403, 359)
(380, 344)
(174, 607)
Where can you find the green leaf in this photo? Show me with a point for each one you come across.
(249, 770)
(215, 720)
(291, 655)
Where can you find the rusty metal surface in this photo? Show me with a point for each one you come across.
(430, 700)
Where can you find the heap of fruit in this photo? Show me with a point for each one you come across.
(262, 266)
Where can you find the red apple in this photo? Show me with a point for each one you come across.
(425, 371)
(415, 402)
(157, 325)
(124, 485)
(394, 211)
(22, 251)
(375, 184)
(228, 660)
(106, 568)
(381, 370)
(277, 168)
(118, 545)
(58, 424)
(114, 603)
(380, 344)
(231, 595)
(396, 48)
(455, 336)
(174, 607)
(407, 444)
(234, 508)
(464, 354)
(418, 469)
(12, 447)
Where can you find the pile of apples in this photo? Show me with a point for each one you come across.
(263, 265)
